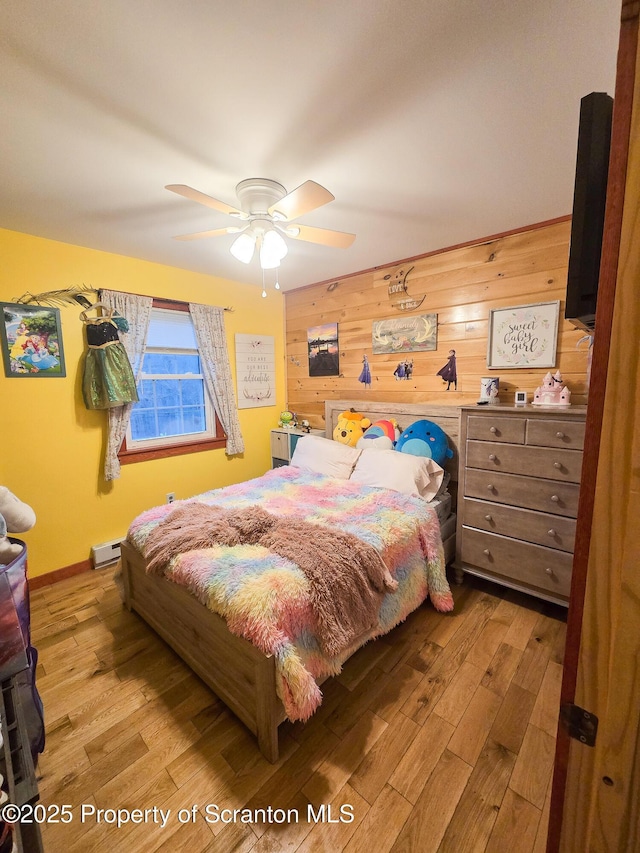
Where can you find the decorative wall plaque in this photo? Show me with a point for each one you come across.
(255, 371)
(398, 292)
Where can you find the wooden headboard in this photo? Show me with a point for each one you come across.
(447, 418)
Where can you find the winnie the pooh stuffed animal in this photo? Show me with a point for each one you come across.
(350, 428)
(15, 517)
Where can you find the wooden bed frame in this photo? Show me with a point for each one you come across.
(241, 675)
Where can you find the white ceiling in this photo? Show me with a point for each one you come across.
(433, 122)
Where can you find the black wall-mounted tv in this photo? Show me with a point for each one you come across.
(589, 198)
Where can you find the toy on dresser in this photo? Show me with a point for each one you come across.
(287, 420)
(552, 392)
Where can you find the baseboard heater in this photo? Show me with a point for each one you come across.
(105, 554)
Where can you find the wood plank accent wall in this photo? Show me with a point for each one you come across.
(461, 286)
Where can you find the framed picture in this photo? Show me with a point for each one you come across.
(31, 340)
(524, 336)
(322, 346)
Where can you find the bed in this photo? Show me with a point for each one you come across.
(258, 641)
(447, 418)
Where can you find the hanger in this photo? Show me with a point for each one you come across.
(109, 312)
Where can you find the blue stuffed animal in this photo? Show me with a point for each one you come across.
(424, 438)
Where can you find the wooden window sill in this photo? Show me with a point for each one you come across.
(127, 457)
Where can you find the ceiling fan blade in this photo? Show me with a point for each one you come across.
(202, 198)
(215, 233)
(324, 236)
(308, 196)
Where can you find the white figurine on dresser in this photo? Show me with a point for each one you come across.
(552, 392)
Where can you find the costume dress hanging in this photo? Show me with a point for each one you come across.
(108, 378)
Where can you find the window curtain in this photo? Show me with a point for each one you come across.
(136, 310)
(208, 322)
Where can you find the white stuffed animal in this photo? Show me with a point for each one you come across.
(15, 517)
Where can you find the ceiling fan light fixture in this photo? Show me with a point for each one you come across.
(265, 210)
(268, 262)
(273, 249)
(243, 247)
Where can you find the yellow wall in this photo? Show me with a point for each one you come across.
(53, 448)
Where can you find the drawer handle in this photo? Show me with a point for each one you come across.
(491, 488)
(555, 499)
(488, 518)
(493, 429)
(549, 570)
(557, 464)
(487, 552)
(559, 435)
(492, 457)
(552, 532)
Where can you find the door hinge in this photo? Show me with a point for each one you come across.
(580, 724)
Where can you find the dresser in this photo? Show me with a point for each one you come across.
(519, 481)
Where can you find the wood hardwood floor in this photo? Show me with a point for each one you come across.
(438, 737)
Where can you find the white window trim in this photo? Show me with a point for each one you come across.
(209, 434)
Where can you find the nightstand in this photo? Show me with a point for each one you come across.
(283, 443)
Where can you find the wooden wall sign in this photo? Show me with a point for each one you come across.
(412, 334)
(255, 370)
(398, 292)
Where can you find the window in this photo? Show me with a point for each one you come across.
(174, 413)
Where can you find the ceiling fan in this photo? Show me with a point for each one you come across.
(265, 208)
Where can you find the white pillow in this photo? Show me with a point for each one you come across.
(324, 456)
(402, 472)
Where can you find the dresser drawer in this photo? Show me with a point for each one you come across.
(533, 565)
(548, 462)
(568, 434)
(530, 492)
(494, 428)
(279, 445)
(554, 531)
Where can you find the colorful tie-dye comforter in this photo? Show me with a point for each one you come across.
(265, 598)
